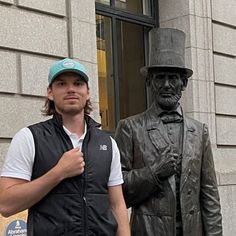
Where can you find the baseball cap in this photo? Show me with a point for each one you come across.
(67, 65)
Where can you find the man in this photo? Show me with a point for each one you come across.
(65, 170)
(169, 175)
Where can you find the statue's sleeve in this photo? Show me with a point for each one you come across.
(139, 184)
(210, 201)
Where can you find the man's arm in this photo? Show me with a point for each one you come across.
(119, 210)
(209, 198)
(17, 194)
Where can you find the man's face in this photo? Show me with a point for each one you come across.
(167, 88)
(69, 93)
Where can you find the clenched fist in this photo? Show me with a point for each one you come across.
(71, 163)
(165, 166)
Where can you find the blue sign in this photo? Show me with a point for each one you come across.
(17, 228)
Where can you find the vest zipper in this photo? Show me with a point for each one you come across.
(85, 217)
(84, 205)
(85, 214)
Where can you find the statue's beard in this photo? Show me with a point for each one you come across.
(169, 102)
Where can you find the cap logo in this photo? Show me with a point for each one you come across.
(68, 64)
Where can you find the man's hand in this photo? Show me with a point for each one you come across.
(71, 163)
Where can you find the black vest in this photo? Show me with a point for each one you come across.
(77, 206)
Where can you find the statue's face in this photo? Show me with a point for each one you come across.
(167, 88)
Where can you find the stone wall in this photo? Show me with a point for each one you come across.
(210, 26)
(33, 34)
(224, 61)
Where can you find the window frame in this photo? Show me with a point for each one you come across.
(111, 10)
(143, 20)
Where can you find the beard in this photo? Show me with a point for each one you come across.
(70, 110)
(169, 102)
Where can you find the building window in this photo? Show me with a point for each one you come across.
(105, 72)
(122, 27)
(106, 2)
(136, 7)
(142, 7)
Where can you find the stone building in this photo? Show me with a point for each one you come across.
(110, 37)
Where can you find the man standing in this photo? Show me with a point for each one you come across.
(65, 170)
(166, 157)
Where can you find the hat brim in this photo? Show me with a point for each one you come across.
(187, 72)
(65, 70)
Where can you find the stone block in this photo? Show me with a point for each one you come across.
(172, 9)
(224, 12)
(17, 112)
(33, 32)
(199, 96)
(7, 1)
(202, 64)
(228, 208)
(201, 35)
(200, 8)
(225, 162)
(8, 72)
(83, 10)
(225, 100)
(225, 70)
(224, 39)
(84, 41)
(3, 152)
(53, 6)
(34, 71)
(225, 130)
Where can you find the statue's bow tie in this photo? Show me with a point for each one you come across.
(171, 117)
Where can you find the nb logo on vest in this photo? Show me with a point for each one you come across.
(103, 147)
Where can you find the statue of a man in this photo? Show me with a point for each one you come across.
(167, 162)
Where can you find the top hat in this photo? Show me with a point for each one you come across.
(167, 51)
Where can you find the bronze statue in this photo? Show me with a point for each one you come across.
(166, 157)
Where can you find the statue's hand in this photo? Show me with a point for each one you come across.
(166, 166)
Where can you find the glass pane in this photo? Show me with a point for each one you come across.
(135, 6)
(105, 72)
(131, 59)
(107, 2)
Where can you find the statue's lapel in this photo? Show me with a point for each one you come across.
(158, 137)
(156, 131)
(188, 148)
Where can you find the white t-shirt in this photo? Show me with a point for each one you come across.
(20, 156)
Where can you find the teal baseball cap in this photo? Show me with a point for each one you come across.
(67, 65)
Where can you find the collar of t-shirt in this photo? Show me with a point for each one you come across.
(76, 141)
